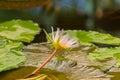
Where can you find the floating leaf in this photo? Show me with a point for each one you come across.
(104, 53)
(89, 37)
(39, 77)
(2, 42)
(96, 37)
(117, 56)
(19, 30)
(74, 33)
(10, 57)
(43, 74)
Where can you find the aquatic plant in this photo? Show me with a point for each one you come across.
(12, 34)
(92, 38)
(24, 31)
(59, 41)
(106, 53)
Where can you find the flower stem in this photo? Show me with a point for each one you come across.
(43, 64)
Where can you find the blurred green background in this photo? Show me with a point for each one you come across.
(98, 15)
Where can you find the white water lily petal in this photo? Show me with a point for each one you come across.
(72, 41)
(56, 37)
(62, 40)
(53, 33)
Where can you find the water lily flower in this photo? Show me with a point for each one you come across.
(63, 41)
(59, 41)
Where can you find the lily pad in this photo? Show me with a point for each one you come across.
(10, 57)
(89, 37)
(19, 30)
(105, 53)
(20, 73)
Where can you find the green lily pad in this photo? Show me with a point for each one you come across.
(96, 37)
(117, 56)
(89, 37)
(19, 30)
(104, 53)
(10, 57)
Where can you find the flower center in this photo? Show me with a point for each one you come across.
(63, 45)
